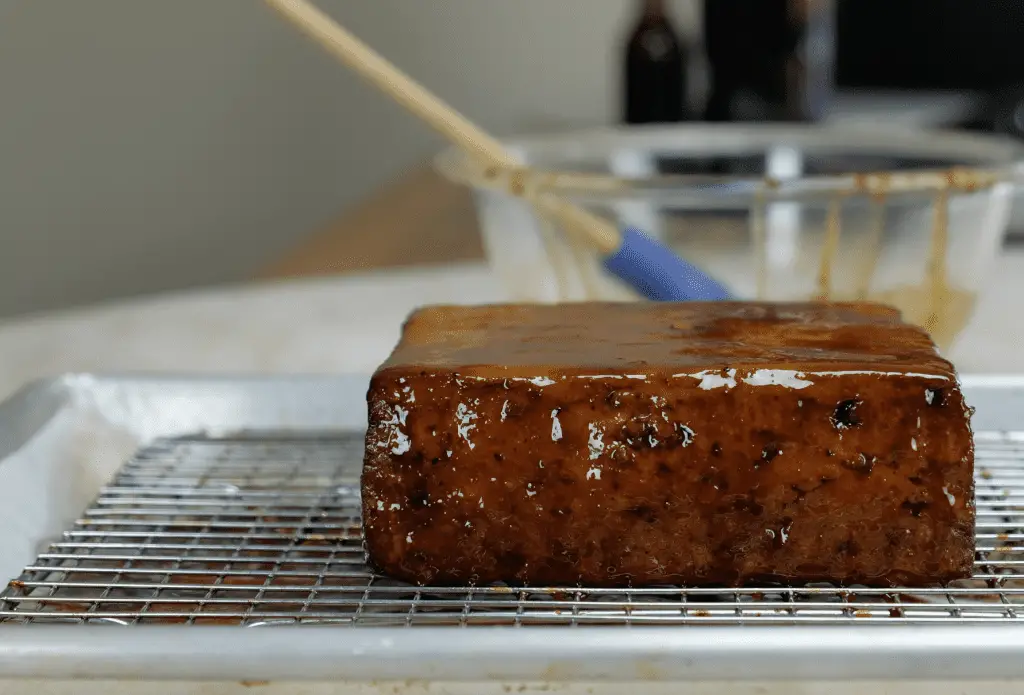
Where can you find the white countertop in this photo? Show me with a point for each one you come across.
(321, 325)
(348, 324)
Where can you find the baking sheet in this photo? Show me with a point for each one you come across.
(61, 440)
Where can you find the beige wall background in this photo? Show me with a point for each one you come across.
(148, 145)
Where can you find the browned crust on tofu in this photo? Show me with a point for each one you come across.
(649, 444)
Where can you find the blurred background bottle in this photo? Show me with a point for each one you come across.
(655, 70)
(769, 60)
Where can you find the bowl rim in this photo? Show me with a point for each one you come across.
(989, 160)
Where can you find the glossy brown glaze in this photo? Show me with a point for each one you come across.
(534, 340)
(614, 444)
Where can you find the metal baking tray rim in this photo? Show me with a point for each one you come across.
(512, 654)
(134, 408)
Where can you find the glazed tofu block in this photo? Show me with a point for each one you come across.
(718, 443)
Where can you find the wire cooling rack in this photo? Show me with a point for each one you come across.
(263, 529)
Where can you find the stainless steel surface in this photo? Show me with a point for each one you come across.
(263, 528)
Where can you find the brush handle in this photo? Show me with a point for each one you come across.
(384, 75)
(649, 267)
(442, 117)
(658, 273)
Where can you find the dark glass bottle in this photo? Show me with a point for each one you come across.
(769, 60)
(655, 74)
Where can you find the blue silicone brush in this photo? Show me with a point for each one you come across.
(644, 263)
(659, 274)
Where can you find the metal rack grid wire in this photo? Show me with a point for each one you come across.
(263, 529)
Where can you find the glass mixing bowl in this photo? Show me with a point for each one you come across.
(911, 219)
